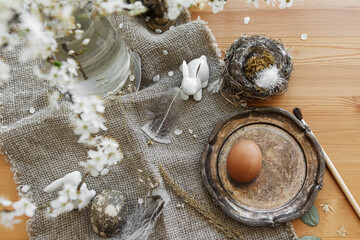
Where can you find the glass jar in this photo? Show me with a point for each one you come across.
(106, 61)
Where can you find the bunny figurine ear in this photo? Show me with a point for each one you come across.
(185, 69)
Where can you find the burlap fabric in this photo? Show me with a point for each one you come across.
(42, 147)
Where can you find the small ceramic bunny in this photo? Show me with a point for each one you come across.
(195, 78)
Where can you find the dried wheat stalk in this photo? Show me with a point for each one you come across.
(211, 218)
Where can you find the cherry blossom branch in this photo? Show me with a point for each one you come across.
(83, 180)
(66, 49)
(9, 210)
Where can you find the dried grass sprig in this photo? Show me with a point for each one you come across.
(229, 232)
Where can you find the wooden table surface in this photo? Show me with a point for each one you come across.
(325, 84)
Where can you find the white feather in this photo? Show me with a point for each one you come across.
(141, 223)
(269, 78)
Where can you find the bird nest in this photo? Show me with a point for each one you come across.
(256, 67)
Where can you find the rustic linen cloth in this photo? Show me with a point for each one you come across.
(42, 147)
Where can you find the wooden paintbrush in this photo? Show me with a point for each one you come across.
(332, 169)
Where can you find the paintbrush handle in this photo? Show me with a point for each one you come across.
(341, 184)
(332, 169)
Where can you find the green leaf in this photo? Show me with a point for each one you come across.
(57, 64)
(310, 238)
(82, 51)
(311, 217)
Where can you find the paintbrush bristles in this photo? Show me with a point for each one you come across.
(298, 114)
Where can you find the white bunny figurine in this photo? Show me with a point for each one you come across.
(202, 72)
(195, 78)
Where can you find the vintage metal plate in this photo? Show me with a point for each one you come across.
(292, 169)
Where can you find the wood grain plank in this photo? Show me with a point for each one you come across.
(325, 84)
(8, 189)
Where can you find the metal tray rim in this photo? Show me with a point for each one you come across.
(226, 205)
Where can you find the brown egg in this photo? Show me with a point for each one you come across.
(244, 161)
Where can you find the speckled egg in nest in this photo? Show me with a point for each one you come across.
(256, 67)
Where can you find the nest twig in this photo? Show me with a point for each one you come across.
(246, 57)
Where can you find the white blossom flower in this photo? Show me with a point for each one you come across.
(53, 99)
(24, 206)
(69, 190)
(94, 121)
(84, 196)
(5, 202)
(252, 2)
(69, 66)
(80, 104)
(115, 157)
(285, 3)
(40, 42)
(272, 2)
(97, 103)
(173, 13)
(78, 34)
(82, 128)
(61, 205)
(89, 121)
(107, 153)
(7, 219)
(7, 39)
(64, 75)
(88, 105)
(85, 42)
(97, 159)
(135, 8)
(217, 5)
(70, 196)
(108, 143)
(176, 6)
(57, 15)
(342, 231)
(116, 6)
(326, 208)
(90, 141)
(89, 167)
